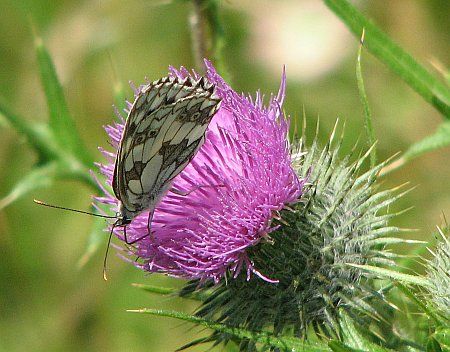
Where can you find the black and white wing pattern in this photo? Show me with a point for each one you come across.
(165, 127)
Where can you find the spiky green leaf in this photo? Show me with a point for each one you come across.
(387, 273)
(285, 343)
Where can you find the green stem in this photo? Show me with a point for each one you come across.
(197, 24)
(370, 132)
(217, 36)
(379, 44)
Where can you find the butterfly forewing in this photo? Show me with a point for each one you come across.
(165, 127)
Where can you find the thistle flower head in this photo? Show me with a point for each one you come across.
(226, 197)
(438, 275)
(338, 222)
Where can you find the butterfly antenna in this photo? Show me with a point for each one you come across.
(73, 210)
(105, 259)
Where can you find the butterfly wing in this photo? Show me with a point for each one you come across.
(164, 129)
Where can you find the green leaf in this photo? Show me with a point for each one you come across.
(40, 177)
(96, 239)
(434, 91)
(371, 139)
(285, 343)
(391, 274)
(171, 291)
(60, 122)
(37, 135)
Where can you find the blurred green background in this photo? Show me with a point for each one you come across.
(46, 302)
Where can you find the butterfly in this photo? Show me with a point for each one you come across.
(165, 128)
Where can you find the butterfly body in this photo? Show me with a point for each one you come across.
(165, 127)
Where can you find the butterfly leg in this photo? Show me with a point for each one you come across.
(149, 222)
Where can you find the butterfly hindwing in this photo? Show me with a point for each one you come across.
(164, 129)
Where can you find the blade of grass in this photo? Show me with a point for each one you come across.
(61, 122)
(434, 91)
(370, 132)
(284, 343)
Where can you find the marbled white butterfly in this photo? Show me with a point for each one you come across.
(165, 128)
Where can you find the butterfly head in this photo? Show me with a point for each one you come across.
(124, 216)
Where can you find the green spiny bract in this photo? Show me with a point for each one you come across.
(339, 220)
(438, 275)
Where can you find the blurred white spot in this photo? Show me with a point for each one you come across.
(304, 35)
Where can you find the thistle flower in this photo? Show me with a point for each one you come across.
(234, 187)
(338, 221)
(438, 275)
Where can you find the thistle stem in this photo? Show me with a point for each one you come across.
(197, 24)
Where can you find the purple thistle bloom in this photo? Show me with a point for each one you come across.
(237, 182)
